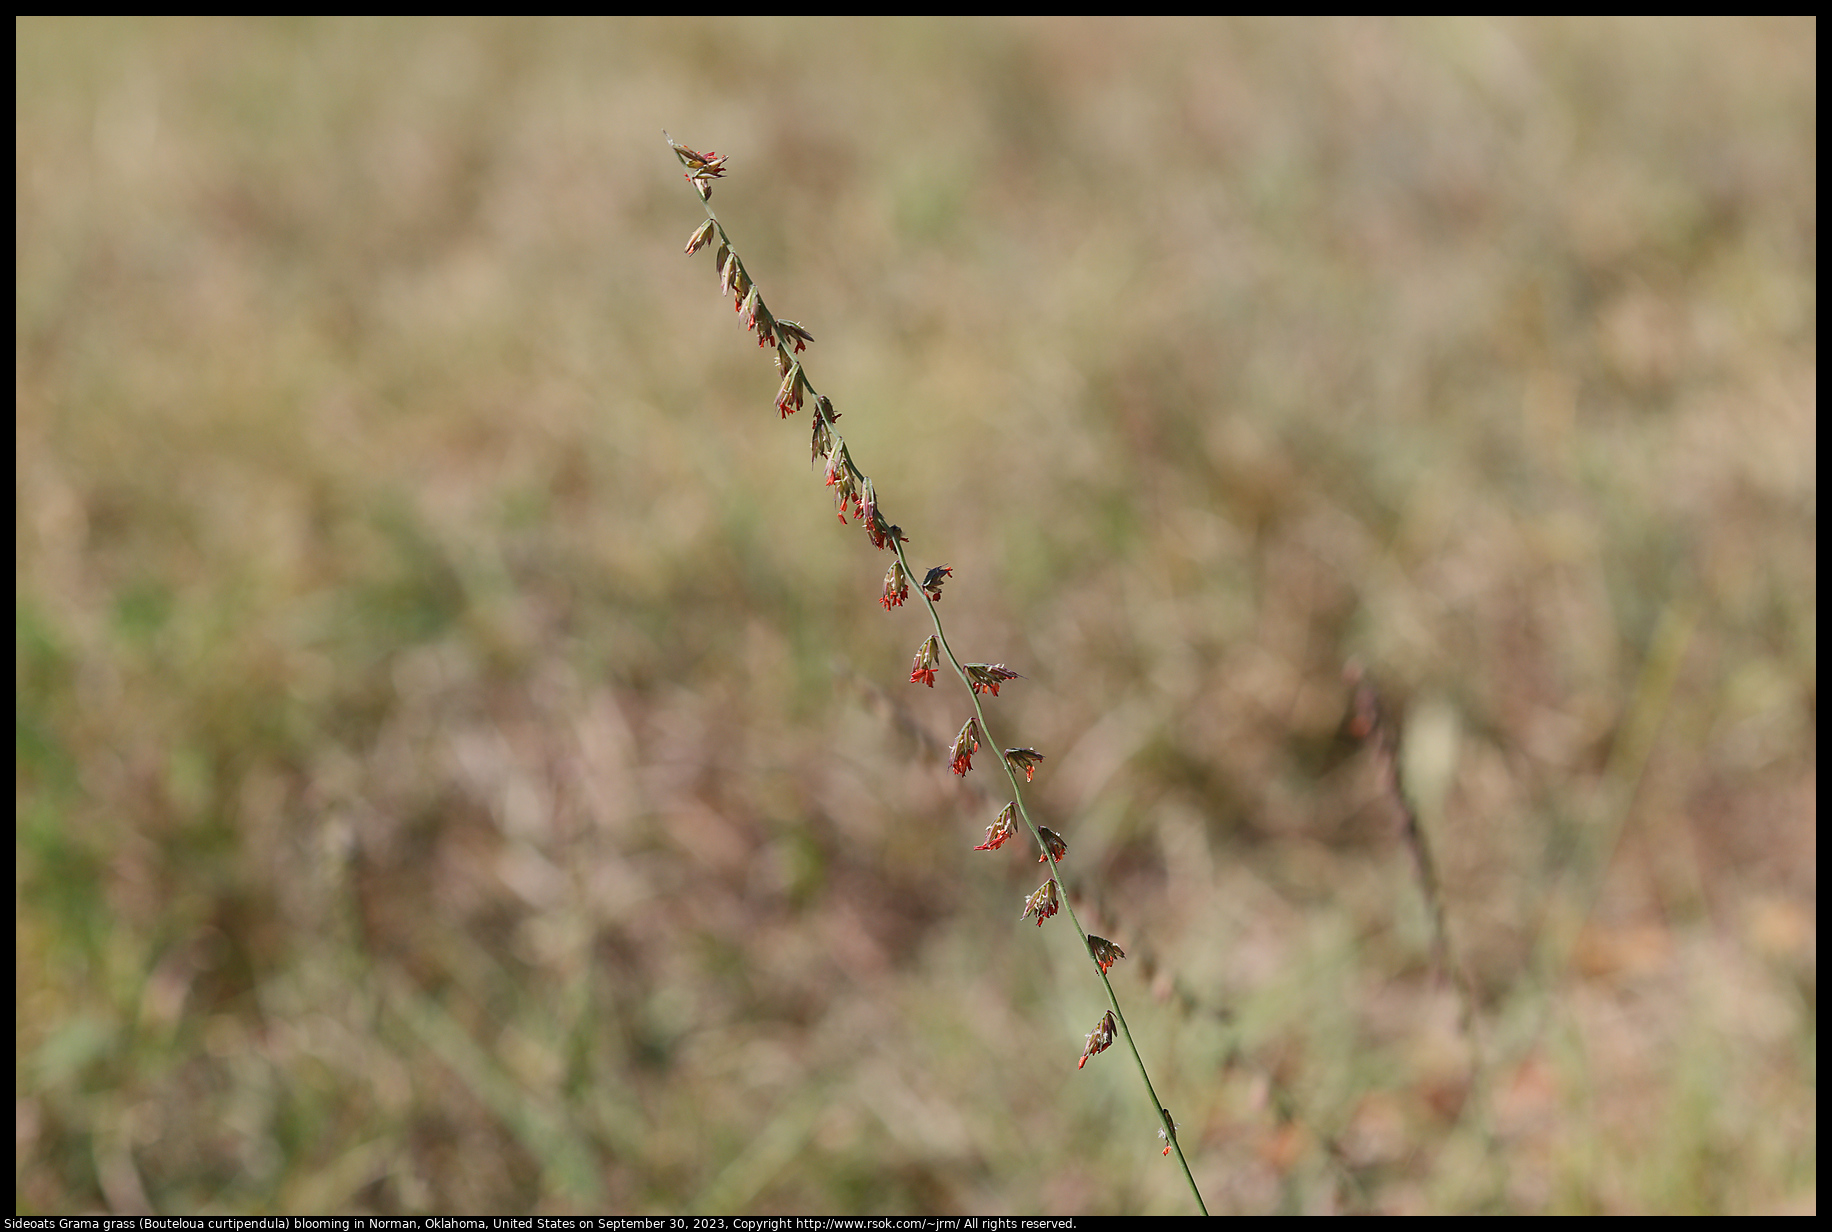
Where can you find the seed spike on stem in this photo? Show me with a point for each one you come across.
(854, 492)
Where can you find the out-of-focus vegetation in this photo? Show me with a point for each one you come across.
(462, 766)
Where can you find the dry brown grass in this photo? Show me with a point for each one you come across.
(455, 769)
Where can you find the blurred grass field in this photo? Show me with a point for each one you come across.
(462, 766)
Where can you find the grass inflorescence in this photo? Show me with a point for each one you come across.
(855, 493)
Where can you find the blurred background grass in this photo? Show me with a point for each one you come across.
(462, 766)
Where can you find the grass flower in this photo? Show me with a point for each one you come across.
(896, 585)
(702, 169)
(960, 758)
(789, 397)
(932, 580)
(1100, 1039)
(922, 671)
(1003, 827)
(1105, 952)
(791, 331)
(1043, 903)
(1169, 1135)
(987, 677)
(1025, 760)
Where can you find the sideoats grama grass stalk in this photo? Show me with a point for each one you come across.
(855, 494)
